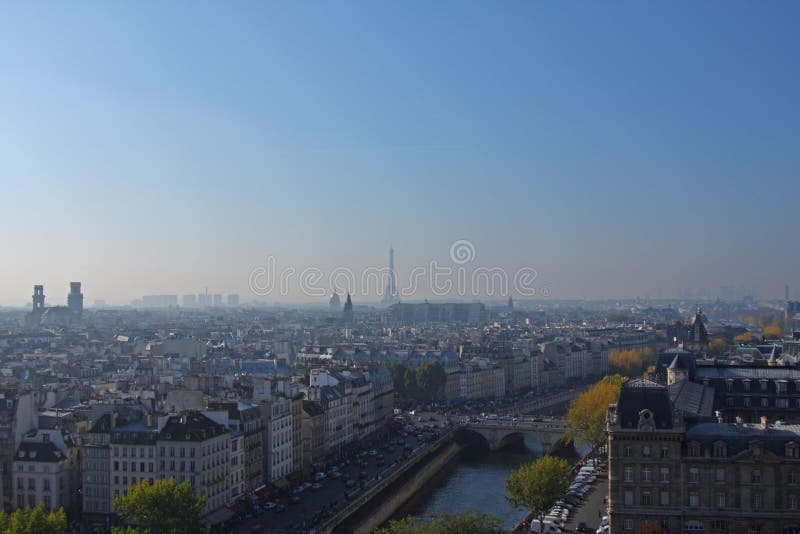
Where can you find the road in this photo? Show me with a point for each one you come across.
(332, 493)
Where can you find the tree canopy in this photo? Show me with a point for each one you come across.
(536, 486)
(772, 332)
(165, 507)
(33, 521)
(718, 346)
(631, 363)
(425, 382)
(468, 521)
(586, 416)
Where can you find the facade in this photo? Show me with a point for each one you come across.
(96, 472)
(313, 428)
(46, 471)
(297, 433)
(689, 475)
(17, 418)
(279, 450)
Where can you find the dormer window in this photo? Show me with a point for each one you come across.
(720, 449)
(694, 449)
(792, 450)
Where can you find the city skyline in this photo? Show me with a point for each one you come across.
(618, 150)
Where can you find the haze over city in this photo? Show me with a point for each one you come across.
(620, 150)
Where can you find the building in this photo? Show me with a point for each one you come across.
(96, 473)
(17, 418)
(233, 300)
(189, 301)
(695, 475)
(278, 460)
(347, 313)
(246, 418)
(313, 429)
(46, 471)
(75, 300)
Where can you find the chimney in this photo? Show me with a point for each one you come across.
(764, 422)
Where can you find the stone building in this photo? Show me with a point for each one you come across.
(689, 475)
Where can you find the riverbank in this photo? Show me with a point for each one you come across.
(376, 505)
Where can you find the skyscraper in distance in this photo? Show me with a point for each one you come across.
(390, 295)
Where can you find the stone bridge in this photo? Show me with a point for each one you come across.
(499, 433)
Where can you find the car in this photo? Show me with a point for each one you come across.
(319, 476)
(269, 505)
(315, 486)
(602, 530)
(350, 483)
(582, 527)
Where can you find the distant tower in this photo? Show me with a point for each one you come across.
(75, 299)
(38, 298)
(510, 303)
(347, 314)
(390, 295)
(334, 304)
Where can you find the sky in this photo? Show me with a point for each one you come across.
(619, 149)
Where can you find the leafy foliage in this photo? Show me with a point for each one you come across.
(536, 486)
(33, 521)
(772, 332)
(471, 522)
(631, 363)
(165, 507)
(426, 382)
(586, 416)
(745, 337)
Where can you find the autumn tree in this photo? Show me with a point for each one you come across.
(165, 507)
(538, 485)
(468, 521)
(33, 521)
(745, 337)
(631, 362)
(718, 346)
(772, 332)
(586, 416)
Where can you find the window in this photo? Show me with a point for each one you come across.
(794, 477)
(647, 474)
(665, 452)
(664, 474)
(664, 498)
(647, 499)
(31, 484)
(646, 451)
(719, 474)
(764, 402)
(694, 474)
(747, 402)
(694, 449)
(719, 449)
(746, 384)
(764, 385)
(729, 402)
(628, 498)
(628, 524)
(720, 500)
(792, 450)
(729, 384)
(46, 484)
(694, 499)
(20, 483)
(719, 525)
(781, 403)
(628, 473)
(755, 476)
(757, 501)
(793, 502)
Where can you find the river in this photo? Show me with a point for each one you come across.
(475, 482)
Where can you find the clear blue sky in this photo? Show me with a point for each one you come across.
(618, 148)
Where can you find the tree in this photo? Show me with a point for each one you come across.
(165, 507)
(33, 521)
(772, 332)
(631, 362)
(745, 337)
(468, 521)
(586, 416)
(430, 378)
(410, 379)
(536, 486)
(398, 373)
(718, 346)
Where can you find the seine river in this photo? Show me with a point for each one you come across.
(474, 482)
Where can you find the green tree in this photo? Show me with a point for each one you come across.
(398, 373)
(410, 382)
(586, 416)
(165, 507)
(536, 486)
(430, 378)
(468, 521)
(33, 521)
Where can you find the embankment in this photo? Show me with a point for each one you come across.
(379, 502)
